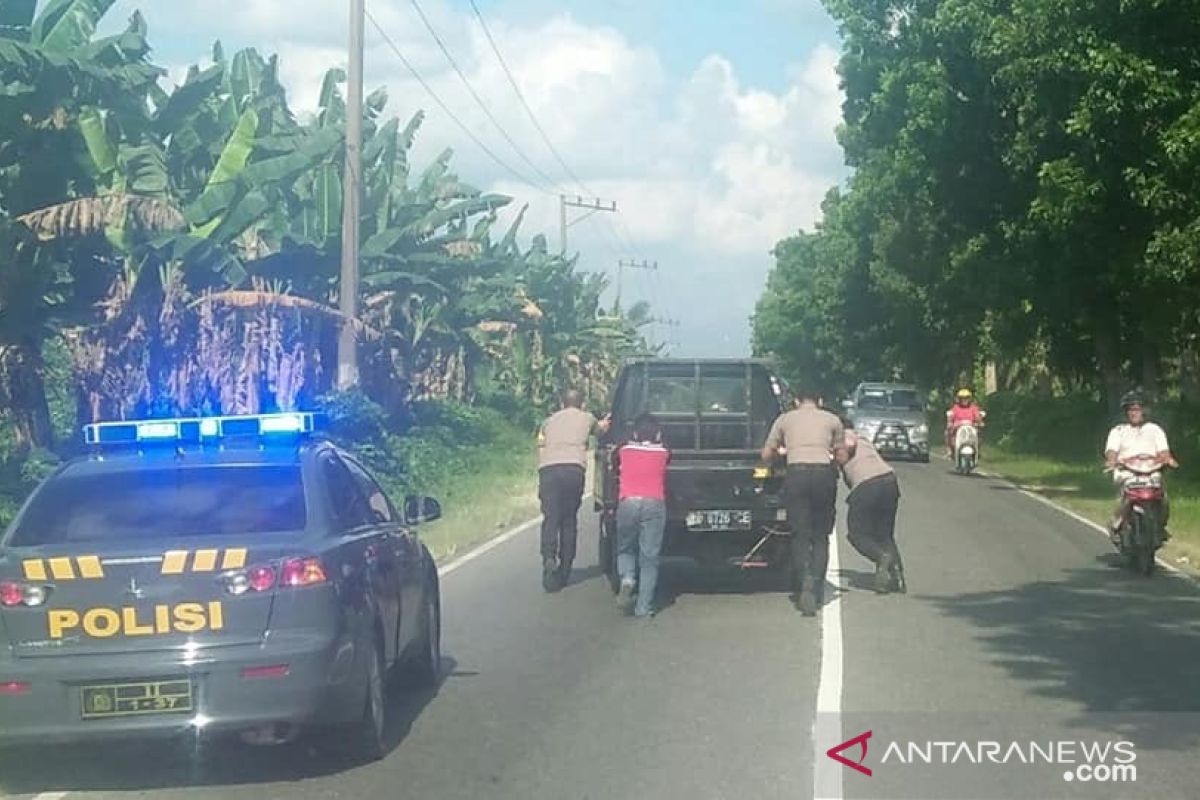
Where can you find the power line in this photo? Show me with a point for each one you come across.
(479, 100)
(623, 241)
(525, 103)
(446, 109)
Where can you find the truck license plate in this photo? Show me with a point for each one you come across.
(719, 520)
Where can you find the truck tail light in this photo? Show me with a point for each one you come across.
(14, 688)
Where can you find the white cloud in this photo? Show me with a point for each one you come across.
(709, 173)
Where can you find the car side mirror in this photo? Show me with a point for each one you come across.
(419, 509)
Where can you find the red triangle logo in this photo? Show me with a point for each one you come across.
(861, 741)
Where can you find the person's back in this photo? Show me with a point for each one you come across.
(809, 434)
(562, 466)
(641, 514)
(564, 438)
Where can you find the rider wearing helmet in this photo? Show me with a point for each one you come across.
(964, 411)
(1135, 438)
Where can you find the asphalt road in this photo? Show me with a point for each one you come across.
(1020, 630)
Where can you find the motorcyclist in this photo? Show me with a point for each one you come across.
(965, 411)
(1136, 438)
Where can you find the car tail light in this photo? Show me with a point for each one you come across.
(302, 572)
(15, 687)
(21, 594)
(261, 579)
(11, 594)
(292, 573)
(255, 579)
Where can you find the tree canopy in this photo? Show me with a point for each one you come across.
(1024, 193)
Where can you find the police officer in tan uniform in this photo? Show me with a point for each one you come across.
(874, 499)
(562, 465)
(812, 439)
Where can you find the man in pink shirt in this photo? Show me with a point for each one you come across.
(641, 515)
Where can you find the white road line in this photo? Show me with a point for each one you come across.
(1167, 565)
(487, 547)
(50, 796)
(492, 544)
(827, 727)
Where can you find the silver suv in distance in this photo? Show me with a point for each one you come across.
(893, 417)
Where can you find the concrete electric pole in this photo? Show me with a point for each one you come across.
(347, 374)
(623, 265)
(592, 206)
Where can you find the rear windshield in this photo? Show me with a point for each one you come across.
(906, 399)
(706, 406)
(164, 503)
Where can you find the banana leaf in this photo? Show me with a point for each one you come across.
(189, 98)
(229, 167)
(66, 25)
(325, 206)
(249, 208)
(389, 279)
(508, 246)
(112, 51)
(333, 107)
(144, 170)
(245, 75)
(436, 219)
(99, 147)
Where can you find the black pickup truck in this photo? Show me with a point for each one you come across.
(723, 507)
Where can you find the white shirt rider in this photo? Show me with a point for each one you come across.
(1136, 438)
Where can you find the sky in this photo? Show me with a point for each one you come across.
(710, 124)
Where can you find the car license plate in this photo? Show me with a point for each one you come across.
(719, 520)
(136, 699)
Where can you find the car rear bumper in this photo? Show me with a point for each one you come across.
(319, 685)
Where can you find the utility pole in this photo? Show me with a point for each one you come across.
(622, 265)
(592, 206)
(347, 375)
(665, 322)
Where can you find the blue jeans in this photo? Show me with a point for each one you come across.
(640, 525)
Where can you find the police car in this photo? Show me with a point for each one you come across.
(223, 574)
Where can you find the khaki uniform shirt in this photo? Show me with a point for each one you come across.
(810, 435)
(564, 438)
(865, 464)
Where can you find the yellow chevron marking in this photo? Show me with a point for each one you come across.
(174, 561)
(35, 569)
(90, 567)
(205, 561)
(61, 569)
(235, 558)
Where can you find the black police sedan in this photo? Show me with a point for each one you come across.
(231, 574)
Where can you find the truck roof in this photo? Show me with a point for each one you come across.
(766, 362)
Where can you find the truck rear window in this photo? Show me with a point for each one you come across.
(164, 503)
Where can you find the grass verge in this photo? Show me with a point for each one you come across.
(499, 494)
(1083, 488)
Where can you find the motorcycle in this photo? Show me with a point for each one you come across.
(1141, 531)
(966, 448)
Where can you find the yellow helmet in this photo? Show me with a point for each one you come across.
(964, 394)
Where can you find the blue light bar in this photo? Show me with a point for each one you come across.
(199, 429)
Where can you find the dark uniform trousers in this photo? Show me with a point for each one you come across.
(810, 495)
(872, 517)
(560, 488)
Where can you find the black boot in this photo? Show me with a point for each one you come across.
(564, 574)
(550, 575)
(883, 573)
